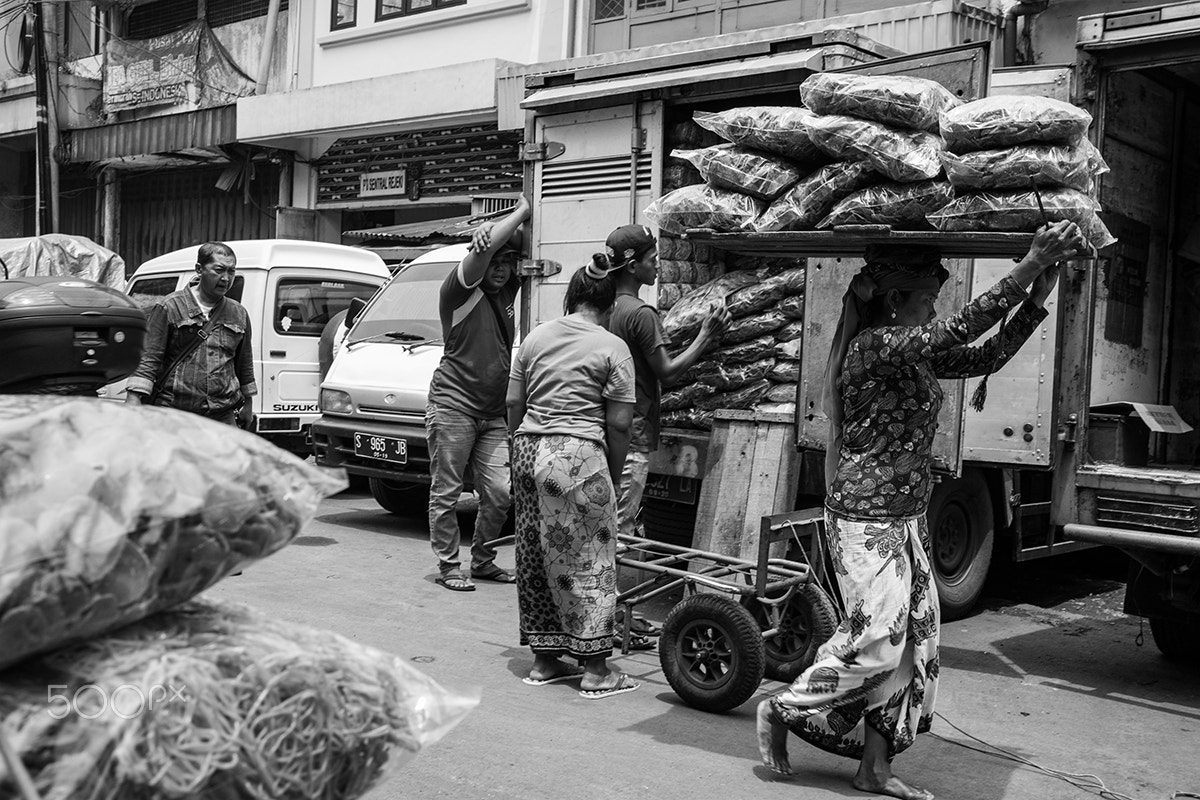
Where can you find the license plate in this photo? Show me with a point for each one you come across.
(384, 448)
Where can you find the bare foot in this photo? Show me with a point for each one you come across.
(890, 786)
(549, 670)
(772, 740)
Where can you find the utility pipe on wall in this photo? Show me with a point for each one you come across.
(264, 61)
(1023, 8)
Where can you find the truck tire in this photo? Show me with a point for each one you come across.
(1177, 636)
(806, 622)
(711, 652)
(403, 499)
(961, 532)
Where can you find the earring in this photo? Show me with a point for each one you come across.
(893, 313)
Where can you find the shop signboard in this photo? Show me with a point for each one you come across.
(383, 184)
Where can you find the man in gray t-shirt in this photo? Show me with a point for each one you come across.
(465, 421)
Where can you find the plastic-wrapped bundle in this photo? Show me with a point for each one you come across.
(901, 205)
(903, 102)
(753, 326)
(688, 418)
(785, 371)
(1004, 120)
(790, 349)
(684, 397)
(704, 206)
(793, 281)
(727, 378)
(792, 307)
(1044, 165)
(782, 130)
(668, 295)
(744, 353)
(1019, 212)
(754, 298)
(801, 207)
(739, 398)
(109, 513)
(793, 330)
(212, 700)
(900, 155)
(741, 170)
(783, 392)
(682, 322)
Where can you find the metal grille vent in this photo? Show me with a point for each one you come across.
(1147, 514)
(643, 5)
(490, 205)
(595, 176)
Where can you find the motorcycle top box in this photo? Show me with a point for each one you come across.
(66, 335)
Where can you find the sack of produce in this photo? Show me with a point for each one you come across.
(732, 167)
(213, 700)
(755, 297)
(782, 130)
(900, 155)
(785, 371)
(110, 512)
(914, 103)
(684, 397)
(689, 418)
(792, 307)
(783, 393)
(802, 206)
(790, 349)
(704, 206)
(1018, 211)
(727, 377)
(682, 322)
(746, 352)
(1004, 120)
(739, 398)
(903, 206)
(749, 327)
(1019, 166)
(793, 330)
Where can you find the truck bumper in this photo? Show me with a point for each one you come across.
(333, 446)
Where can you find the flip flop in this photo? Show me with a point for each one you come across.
(624, 684)
(566, 676)
(636, 641)
(455, 582)
(493, 573)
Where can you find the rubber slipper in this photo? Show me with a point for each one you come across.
(493, 573)
(455, 583)
(623, 685)
(566, 676)
(636, 642)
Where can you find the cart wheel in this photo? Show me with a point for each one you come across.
(805, 623)
(711, 651)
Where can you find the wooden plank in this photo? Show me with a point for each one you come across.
(724, 493)
(772, 483)
(853, 241)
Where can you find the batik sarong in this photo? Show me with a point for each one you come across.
(880, 668)
(566, 522)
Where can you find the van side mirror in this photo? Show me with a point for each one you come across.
(357, 304)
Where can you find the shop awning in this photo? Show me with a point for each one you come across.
(172, 133)
(447, 228)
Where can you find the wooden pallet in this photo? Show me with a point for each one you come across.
(852, 240)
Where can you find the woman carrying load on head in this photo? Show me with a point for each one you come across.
(872, 686)
(570, 405)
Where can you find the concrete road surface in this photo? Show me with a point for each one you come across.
(1065, 687)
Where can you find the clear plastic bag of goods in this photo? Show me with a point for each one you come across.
(785, 371)
(1004, 120)
(793, 281)
(806, 203)
(790, 349)
(782, 130)
(1023, 165)
(755, 297)
(684, 397)
(783, 393)
(668, 295)
(903, 102)
(682, 322)
(696, 418)
(792, 307)
(110, 512)
(739, 169)
(742, 398)
(898, 154)
(704, 206)
(752, 326)
(725, 378)
(902, 206)
(745, 352)
(1018, 211)
(793, 330)
(213, 700)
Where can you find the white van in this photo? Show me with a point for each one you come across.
(291, 288)
(373, 400)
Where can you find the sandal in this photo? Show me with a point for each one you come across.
(624, 684)
(455, 582)
(492, 572)
(636, 642)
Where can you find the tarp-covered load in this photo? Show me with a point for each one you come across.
(61, 255)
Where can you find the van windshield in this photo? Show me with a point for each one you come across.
(408, 304)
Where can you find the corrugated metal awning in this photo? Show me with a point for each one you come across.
(206, 127)
(448, 228)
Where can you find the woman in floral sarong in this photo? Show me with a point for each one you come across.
(872, 687)
(570, 403)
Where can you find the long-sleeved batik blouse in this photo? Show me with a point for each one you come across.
(892, 398)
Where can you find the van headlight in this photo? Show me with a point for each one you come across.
(336, 402)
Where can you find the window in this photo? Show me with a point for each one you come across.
(389, 9)
(344, 14)
(83, 22)
(409, 304)
(609, 9)
(304, 305)
(148, 291)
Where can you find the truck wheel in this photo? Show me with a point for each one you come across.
(962, 529)
(404, 499)
(1177, 636)
(805, 623)
(711, 652)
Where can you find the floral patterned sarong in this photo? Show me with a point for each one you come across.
(881, 666)
(566, 545)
